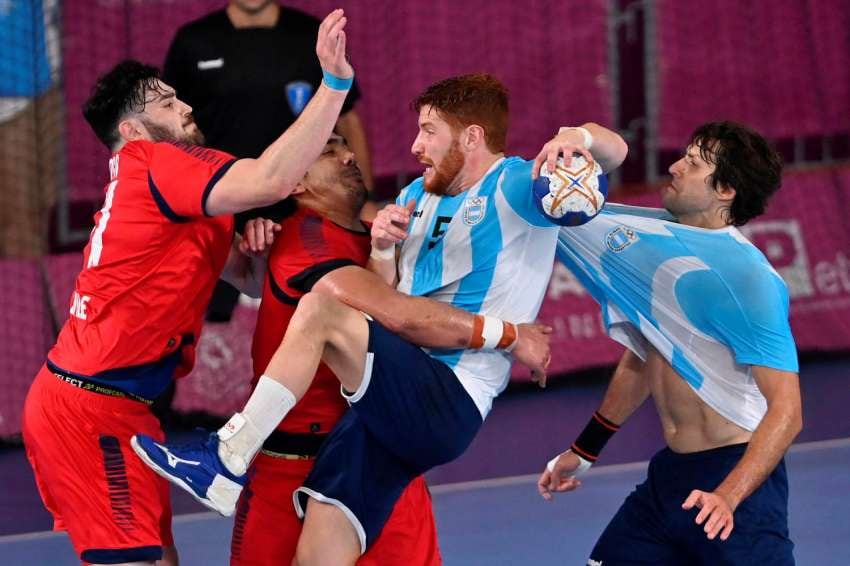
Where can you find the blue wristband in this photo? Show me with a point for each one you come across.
(334, 82)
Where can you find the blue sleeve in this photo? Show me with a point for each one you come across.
(749, 314)
(516, 187)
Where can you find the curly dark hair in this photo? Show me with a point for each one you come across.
(120, 91)
(471, 99)
(744, 161)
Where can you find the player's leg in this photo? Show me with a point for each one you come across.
(266, 528)
(214, 472)
(113, 507)
(638, 532)
(328, 537)
(410, 536)
(322, 329)
(409, 413)
(760, 533)
(357, 480)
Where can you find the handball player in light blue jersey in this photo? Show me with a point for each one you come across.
(704, 318)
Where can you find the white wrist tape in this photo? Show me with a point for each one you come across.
(583, 466)
(492, 332)
(386, 253)
(587, 137)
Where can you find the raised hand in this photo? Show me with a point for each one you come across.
(566, 143)
(330, 45)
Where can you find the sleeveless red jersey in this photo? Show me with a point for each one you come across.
(149, 268)
(307, 247)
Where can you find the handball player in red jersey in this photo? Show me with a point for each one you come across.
(161, 240)
(323, 234)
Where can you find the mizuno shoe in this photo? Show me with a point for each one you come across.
(196, 468)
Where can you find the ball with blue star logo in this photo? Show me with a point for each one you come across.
(571, 195)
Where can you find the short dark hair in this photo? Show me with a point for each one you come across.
(115, 94)
(744, 161)
(471, 99)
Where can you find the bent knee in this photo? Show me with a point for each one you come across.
(316, 307)
(319, 307)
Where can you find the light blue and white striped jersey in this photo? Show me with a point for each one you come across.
(487, 250)
(707, 300)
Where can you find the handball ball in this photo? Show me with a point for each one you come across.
(570, 196)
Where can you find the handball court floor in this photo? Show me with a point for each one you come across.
(486, 503)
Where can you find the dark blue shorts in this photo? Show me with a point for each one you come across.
(652, 528)
(409, 414)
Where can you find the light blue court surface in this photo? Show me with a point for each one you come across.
(505, 522)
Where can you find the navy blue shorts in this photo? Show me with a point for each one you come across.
(652, 528)
(409, 414)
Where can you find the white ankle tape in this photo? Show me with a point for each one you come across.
(231, 427)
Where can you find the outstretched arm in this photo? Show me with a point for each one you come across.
(252, 183)
(771, 439)
(626, 392)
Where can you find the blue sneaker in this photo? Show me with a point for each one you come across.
(196, 468)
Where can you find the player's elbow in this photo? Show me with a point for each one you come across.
(621, 150)
(277, 189)
(615, 147)
(792, 414)
(271, 185)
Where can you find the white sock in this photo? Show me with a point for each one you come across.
(243, 435)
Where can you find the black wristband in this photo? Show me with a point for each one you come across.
(593, 438)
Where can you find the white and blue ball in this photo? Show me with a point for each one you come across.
(570, 196)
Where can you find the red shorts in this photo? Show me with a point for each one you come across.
(266, 528)
(113, 506)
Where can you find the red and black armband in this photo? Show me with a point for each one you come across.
(593, 438)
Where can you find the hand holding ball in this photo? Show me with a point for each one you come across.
(570, 196)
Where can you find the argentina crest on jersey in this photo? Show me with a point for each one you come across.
(298, 94)
(620, 238)
(474, 209)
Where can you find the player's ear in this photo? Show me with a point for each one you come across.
(132, 129)
(725, 193)
(473, 137)
(299, 189)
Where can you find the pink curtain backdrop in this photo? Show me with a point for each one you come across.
(779, 66)
(25, 335)
(552, 56)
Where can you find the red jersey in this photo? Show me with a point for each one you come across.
(149, 268)
(307, 247)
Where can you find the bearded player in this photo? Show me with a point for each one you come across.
(159, 244)
(705, 319)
